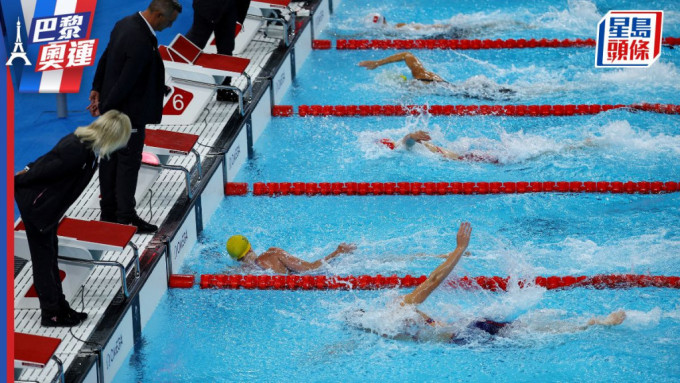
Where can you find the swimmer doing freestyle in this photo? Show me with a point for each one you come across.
(442, 31)
(423, 138)
(483, 88)
(424, 322)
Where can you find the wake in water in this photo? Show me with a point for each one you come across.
(517, 147)
(577, 18)
(517, 319)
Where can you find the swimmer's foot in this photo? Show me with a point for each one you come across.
(613, 319)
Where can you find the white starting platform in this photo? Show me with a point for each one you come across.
(35, 351)
(159, 146)
(192, 72)
(81, 244)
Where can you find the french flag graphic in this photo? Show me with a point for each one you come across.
(59, 80)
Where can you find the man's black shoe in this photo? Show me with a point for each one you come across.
(227, 95)
(76, 314)
(143, 227)
(107, 217)
(61, 319)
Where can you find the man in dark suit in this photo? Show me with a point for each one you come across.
(220, 17)
(130, 77)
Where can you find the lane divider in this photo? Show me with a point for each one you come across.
(370, 282)
(446, 188)
(352, 44)
(466, 110)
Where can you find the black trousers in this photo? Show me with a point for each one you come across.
(44, 250)
(118, 178)
(223, 25)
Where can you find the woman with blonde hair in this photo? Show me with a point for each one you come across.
(46, 188)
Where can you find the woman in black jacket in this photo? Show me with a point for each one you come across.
(46, 188)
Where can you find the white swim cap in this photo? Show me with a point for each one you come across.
(374, 20)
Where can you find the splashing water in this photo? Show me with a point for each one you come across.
(578, 18)
(517, 147)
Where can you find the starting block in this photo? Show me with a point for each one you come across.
(192, 68)
(244, 34)
(159, 145)
(81, 244)
(35, 351)
(253, 22)
(272, 9)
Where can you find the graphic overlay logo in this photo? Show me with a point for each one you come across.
(628, 39)
(18, 52)
(60, 46)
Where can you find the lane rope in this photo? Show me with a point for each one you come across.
(466, 110)
(373, 282)
(447, 188)
(353, 44)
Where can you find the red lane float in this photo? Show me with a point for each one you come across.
(445, 188)
(282, 110)
(181, 281)
(467, 110)
(235, 188)
(321, 44)
(344, 44)
(454, 44)
(374, 282)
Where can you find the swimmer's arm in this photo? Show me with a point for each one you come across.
(439, 274)
(465, 254)
(418, 26)
(298, 265)
(410, 139)
(428, 319)
(372, 64)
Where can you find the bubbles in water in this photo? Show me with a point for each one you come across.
(641, 319)
(579, 18)
(621, 134)
(661, 75)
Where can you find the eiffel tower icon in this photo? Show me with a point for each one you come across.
(18, 51)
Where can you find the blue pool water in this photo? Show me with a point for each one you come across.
(538, 76)
(250, 335)
(491, 18)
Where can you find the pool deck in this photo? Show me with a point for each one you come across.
(103, 287)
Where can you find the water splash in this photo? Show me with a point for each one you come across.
(621, 134)
(578, 18)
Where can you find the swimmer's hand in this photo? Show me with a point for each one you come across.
(370, 64)
(463, 237)
(419, 136)
(346, 248)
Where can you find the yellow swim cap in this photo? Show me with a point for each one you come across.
(238, 246)
(401, 76)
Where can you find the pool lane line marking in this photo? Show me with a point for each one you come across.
(461, 44)
(373, 282)
(466, 110)
(445, 188)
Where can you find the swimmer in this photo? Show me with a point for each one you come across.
(423, 138)
(483, 88)
(488, 326)
(278, 260)
(376, 20)
(442, 31)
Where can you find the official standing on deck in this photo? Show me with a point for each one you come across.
(130, 77)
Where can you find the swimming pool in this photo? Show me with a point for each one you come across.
(239, 335)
